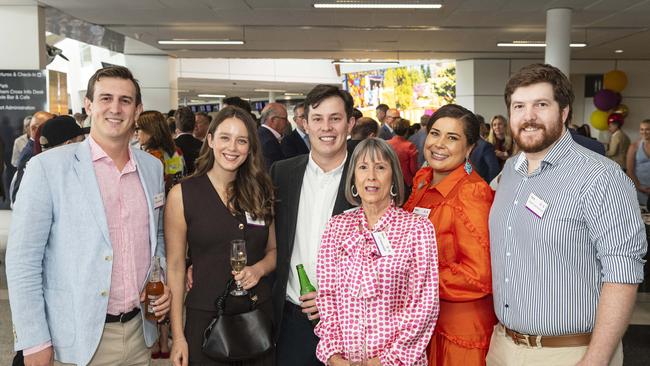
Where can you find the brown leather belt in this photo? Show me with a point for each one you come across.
(569, 340)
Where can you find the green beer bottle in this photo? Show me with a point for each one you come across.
(305, 286)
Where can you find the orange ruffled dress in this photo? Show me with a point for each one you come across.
(460, 206)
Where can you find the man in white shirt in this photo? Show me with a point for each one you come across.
(310, 191)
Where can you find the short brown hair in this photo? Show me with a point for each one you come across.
(321, 92)
(543, 73)
(119, 72)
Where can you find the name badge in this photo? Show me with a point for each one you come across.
(159, 200)
(422, 212)
(258, 222)
(536, 205)
(383, 245)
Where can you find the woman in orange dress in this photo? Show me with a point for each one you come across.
(457, 201)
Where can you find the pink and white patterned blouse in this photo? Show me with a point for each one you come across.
(385, 304)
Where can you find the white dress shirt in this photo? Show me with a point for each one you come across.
(317, 198)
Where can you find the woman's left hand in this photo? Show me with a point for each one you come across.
(248, 277)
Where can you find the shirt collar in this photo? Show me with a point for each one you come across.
(447, 184)
(552, 157)
(383, 221)
(274, 132)
(302, 134)
(311, 165)
(97, 153)
(388, 128)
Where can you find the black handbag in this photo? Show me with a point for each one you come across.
(237, 337)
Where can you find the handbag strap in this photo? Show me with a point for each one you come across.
(220, 303)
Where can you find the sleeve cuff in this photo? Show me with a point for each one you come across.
(40, 347)
(622, 269)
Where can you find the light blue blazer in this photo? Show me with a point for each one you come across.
(59, 253)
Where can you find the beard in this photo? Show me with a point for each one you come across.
(538, 143)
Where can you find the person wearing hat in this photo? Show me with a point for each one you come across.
(61, 130)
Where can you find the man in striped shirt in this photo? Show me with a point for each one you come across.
(567, 239)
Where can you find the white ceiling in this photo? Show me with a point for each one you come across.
(461, 29)
(294, 29)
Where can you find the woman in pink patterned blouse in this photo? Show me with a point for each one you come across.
(377, 270)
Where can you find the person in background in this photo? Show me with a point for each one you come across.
(378, 294)
(202, 120)
(380, 113)
(500, 138)
(451, 194)
(386, 130)
(356, 113)
(619, 142)
(483, 156)
(229, 197)
(61, 130)
(274, 121)
(189, 145)
(638, 163)
(20, 142)
(297, 142)
(406, 152)
(364, 128)
(154, 138)
(419, 137)
(588, 142)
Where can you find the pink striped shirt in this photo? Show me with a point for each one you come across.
(127, 216)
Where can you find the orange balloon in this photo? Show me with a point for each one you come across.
(615, 80)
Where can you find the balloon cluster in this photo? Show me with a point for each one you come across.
(608, 101)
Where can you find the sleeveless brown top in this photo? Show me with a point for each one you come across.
(210, 228)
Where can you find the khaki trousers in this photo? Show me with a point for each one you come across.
(504, 352)
(122, 344)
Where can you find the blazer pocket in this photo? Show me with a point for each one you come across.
(59, 310)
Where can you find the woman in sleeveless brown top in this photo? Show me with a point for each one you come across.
(229, 197)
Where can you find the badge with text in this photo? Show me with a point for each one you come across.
(382, 243)
(158, 200)
(250, 221)
(422, 212)
(536, 205)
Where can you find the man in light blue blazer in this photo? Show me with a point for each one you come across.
(86, 223)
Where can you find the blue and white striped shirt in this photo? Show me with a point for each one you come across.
(547, 271)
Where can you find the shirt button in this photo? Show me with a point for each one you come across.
(108, 258)
(516, 202)
(104, 293)
(509, 227)
(507, 254)
(241, 226)
(507, 306)
(507, 280)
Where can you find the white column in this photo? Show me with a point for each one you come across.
(558, 39)
(23, 36)
(271, 96)
(480, 85)
(158, 77)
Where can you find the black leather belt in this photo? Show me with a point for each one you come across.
(122, 318)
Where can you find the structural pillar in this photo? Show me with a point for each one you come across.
(558, 39)
(23, 36)
(480, 84)
(158, 77)
(271, 96)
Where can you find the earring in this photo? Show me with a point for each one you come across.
(354, 192)
(392, 188)
(468, 167)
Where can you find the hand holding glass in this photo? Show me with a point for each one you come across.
(238, 262)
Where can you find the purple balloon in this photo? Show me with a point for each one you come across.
(606, 99)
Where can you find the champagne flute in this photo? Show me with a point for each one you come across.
(238, 262)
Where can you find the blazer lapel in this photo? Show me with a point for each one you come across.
(83, 167)
(153, 237)
(295, 185)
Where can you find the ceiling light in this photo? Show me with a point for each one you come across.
(534, 44)
(365, 62)
(200, 41)
(270, 90)
(294, 94)
(375, 6)
(211, 96)
(618, 51)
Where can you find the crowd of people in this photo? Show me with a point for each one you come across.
(415, 258)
